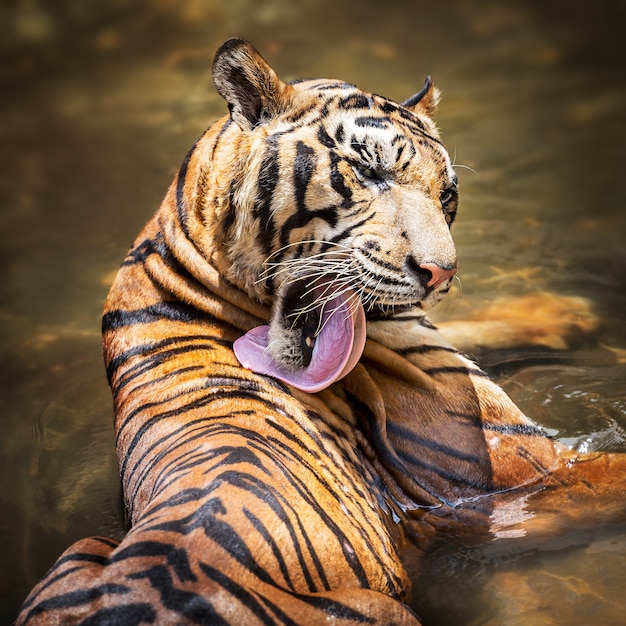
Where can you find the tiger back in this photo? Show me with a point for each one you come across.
(311, 214)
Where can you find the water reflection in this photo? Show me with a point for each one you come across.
(101, 101)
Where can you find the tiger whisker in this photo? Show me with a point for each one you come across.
(305, 242)
(322, 301)
(301, 268)
(352, 297)
(321, 271)
(320, 325)
(314, 260)
(342, 250)
(455, 164)
(328, 296)
(303, 273)
(333, 272)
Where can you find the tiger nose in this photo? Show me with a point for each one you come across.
(430, 274)
(438, 274)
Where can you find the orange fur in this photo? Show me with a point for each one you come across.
(251, 502)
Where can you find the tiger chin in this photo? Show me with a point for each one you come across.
(286, 417)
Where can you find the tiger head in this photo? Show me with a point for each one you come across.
(338, 208)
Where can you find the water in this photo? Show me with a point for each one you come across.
(99, 105)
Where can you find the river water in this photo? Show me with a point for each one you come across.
(99, 104)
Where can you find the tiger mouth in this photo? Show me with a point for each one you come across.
(323, 336)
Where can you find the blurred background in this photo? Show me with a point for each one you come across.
(99, 103)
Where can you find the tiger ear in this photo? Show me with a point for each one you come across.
(246, 81)
(425, 101)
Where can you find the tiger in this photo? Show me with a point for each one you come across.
(289, 423)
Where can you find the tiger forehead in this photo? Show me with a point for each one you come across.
(330, 98)
(369, 127)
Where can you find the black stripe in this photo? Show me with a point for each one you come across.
(127, 614)
(195, 608)
(259, 490)
(220, 136)
(181, 204)
(420, 318)
(285, 620)
(323, 111)
(151, 362)
(147, 349)
(340, 134)
(269, 175)
(263, 493)
(409, 435)
(239, 593)
(389, 107)
(198, 403)
(424, 349)
(277, 502)
(399, 152)
(75, 599)
(288, 450)
(324, 138)
(230, 212)
(159, 381)
(533, 461)
(421, 494)
(374, 259)
(337, 610)
(208, 518)
(78, 557)
(227, 455)
(176, 558)
(294, 118)
(356, 101)
(172, 311)
(362, 150)
(448, 476)
(303, 168)
(271, 542)
(338, 182)
(186, 496)
(145, 248)
(370, 121)
(456, 370)
(140, 252)
(515, 429)
(413, 120)
(333, 85)
(414, 125)
(346, 231)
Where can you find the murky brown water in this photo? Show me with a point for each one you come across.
(99, 105)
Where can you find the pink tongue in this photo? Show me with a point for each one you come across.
(337, 349)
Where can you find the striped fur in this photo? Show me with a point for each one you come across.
(251, 502)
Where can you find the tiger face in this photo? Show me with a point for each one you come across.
(341, 204)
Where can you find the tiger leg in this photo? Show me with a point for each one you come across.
(243, 530)
(581, 506)
(92, 582)
(71, 584)
(584, 491)
(513, 463)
